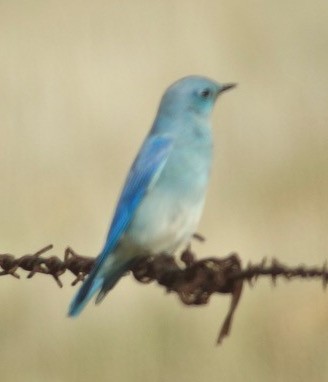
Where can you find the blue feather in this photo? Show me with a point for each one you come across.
(142, 176)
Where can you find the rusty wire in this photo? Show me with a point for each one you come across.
(193, 280)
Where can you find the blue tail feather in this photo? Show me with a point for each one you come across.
(89, 288)
(99, 280)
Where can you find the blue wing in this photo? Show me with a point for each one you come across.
(142, 176)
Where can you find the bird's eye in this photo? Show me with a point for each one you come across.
(205, 93)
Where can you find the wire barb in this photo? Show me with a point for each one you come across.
(194, 281)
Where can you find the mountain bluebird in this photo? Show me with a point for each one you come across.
(164, 193)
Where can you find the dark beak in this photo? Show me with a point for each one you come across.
(225, 87)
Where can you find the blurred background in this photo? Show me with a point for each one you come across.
(80, 82)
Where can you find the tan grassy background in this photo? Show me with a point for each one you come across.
(79, 85)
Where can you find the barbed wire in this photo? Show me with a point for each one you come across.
(193, 280)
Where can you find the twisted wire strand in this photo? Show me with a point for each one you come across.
(194, 281)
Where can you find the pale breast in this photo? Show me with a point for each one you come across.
(161, 224)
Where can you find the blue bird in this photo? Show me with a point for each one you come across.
(164, 193)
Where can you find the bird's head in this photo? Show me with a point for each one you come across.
(192, 94)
